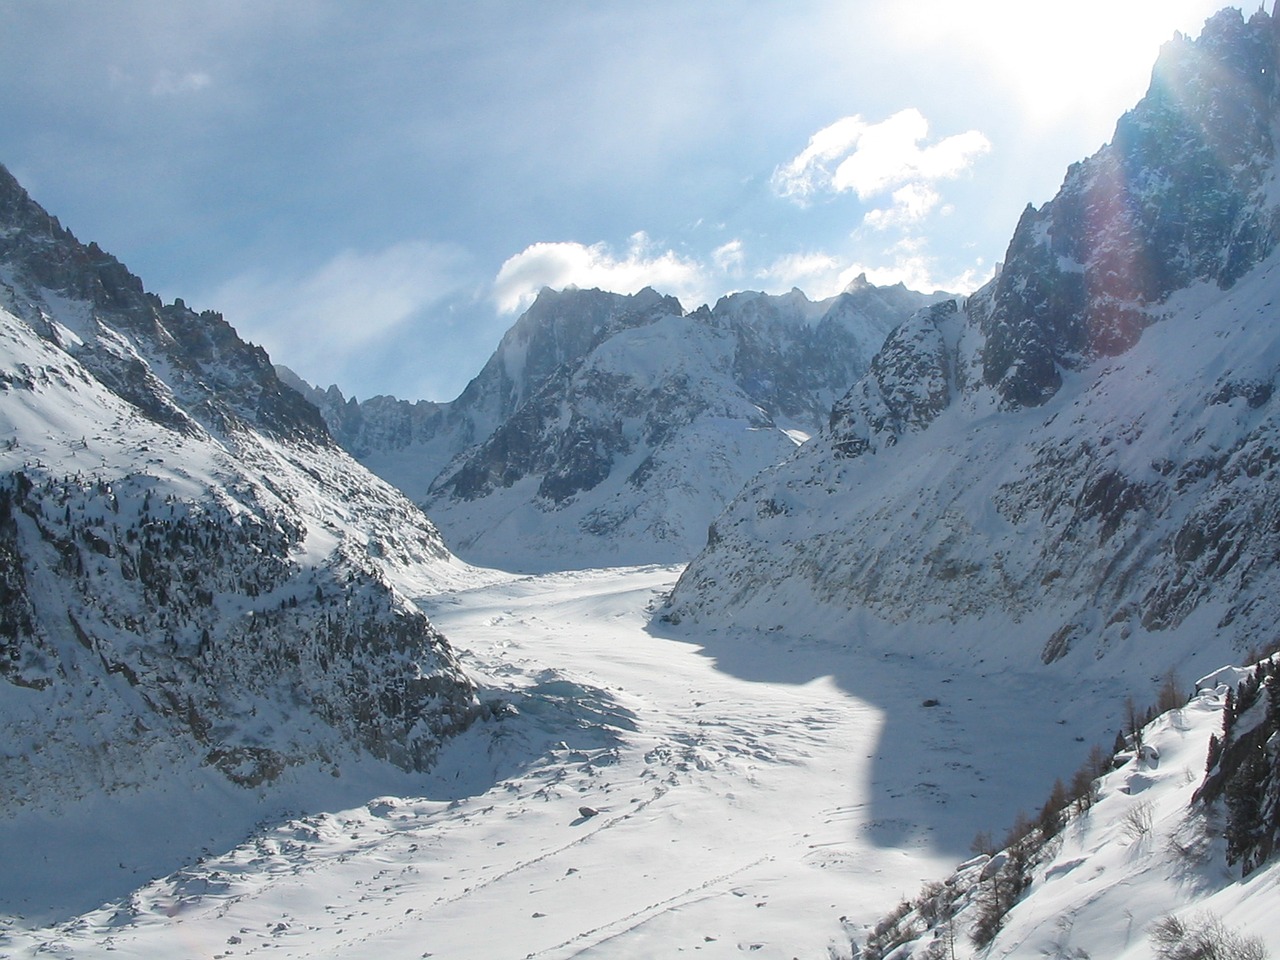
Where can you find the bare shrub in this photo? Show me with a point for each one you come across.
(1202, 938)
(984, 843)
(1139, 821)
(891, 932)
(933, 903)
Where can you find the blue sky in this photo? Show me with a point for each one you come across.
(374, 190)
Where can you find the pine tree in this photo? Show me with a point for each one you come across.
(1170, 696)
(1050, 818)
(1133, 723)
(1083, 792)
(1215, 751)
(1244, 796)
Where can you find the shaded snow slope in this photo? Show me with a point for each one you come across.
(610, 429)
(1008, 463)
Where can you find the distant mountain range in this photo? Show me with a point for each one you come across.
(611, 429)
(1076, 470)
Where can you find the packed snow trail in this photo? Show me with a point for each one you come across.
(643, 798)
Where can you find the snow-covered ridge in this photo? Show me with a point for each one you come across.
(1184, 193)
(1146, 861)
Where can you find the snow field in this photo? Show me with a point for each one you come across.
(747, 801)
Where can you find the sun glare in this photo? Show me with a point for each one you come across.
(1088, 59)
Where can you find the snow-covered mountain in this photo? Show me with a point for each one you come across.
(1078, 461)
(193, 575)
(613, 429)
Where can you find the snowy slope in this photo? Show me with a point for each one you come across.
(192, 575)
(1142, 850)
(613, 429)
(1030, 505)
(1016, 473)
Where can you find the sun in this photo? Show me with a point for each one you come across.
(1086, 59)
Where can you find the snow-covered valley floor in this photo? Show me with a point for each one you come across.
(749, 793)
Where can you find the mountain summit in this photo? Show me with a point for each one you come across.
(1179, 196)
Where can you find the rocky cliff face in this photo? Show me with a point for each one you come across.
(188, 564)
(612, 429)
(1180, 195)
(1081, 456)
(177, 367)
(910, 381)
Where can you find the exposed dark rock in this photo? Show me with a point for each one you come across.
(217, 379)
(1092, 434)
(165, 568)
(1171, 200)
(587, 380)
(908, 385)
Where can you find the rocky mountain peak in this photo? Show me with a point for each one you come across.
(1177, 197)
(562, 327)
(612, 428)
(189, 566)
(1084, 447)
(216, 381)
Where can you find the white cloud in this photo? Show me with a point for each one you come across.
(873, 159)
(169, 84)
(808, 172)
(909, 262)
(730, 257)
(315, 320)
(814, 273)
(821, 275)
(911, 204)
(559, 265)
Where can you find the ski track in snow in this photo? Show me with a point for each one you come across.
(734, 814)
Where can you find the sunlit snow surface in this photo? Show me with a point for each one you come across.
(751, 791)
(1141, 853)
